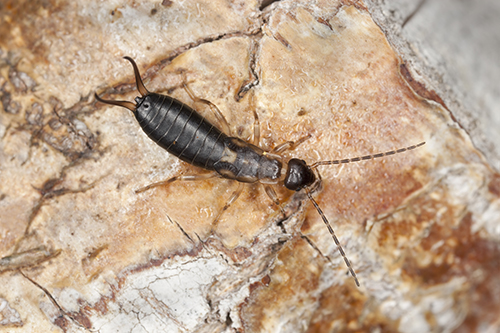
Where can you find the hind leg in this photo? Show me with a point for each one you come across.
(218, 115)
(179, 178)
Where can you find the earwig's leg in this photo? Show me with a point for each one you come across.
(181, 178)
(335, 239)
(271, 193)
(220, 117)
(256, 129)
(289, 145)
(231, 200)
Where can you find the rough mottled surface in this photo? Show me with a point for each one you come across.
(80, 250)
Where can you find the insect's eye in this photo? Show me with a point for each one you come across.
(146, 106)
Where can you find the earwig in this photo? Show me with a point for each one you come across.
(183, 132)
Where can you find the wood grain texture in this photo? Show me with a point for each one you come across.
(80, 250)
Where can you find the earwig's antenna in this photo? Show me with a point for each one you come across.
(344, 161)
(367, 157)
(335, 239)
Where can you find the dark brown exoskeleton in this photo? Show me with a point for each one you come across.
(184, 133)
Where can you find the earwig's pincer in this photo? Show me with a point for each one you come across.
(140, 86)
(184, 133)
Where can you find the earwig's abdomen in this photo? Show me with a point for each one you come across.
(184, 133)
(180, 130)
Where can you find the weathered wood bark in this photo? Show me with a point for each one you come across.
(81, 251)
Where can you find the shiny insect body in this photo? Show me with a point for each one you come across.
(183, 132)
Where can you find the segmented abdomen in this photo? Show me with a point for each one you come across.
(180, 130)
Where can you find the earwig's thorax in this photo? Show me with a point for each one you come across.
(245, 162)
(298, 175)
(269, 170)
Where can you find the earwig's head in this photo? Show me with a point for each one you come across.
(298, 175)
(140, 86)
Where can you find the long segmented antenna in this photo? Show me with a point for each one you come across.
(366, 157)
(335, 239)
